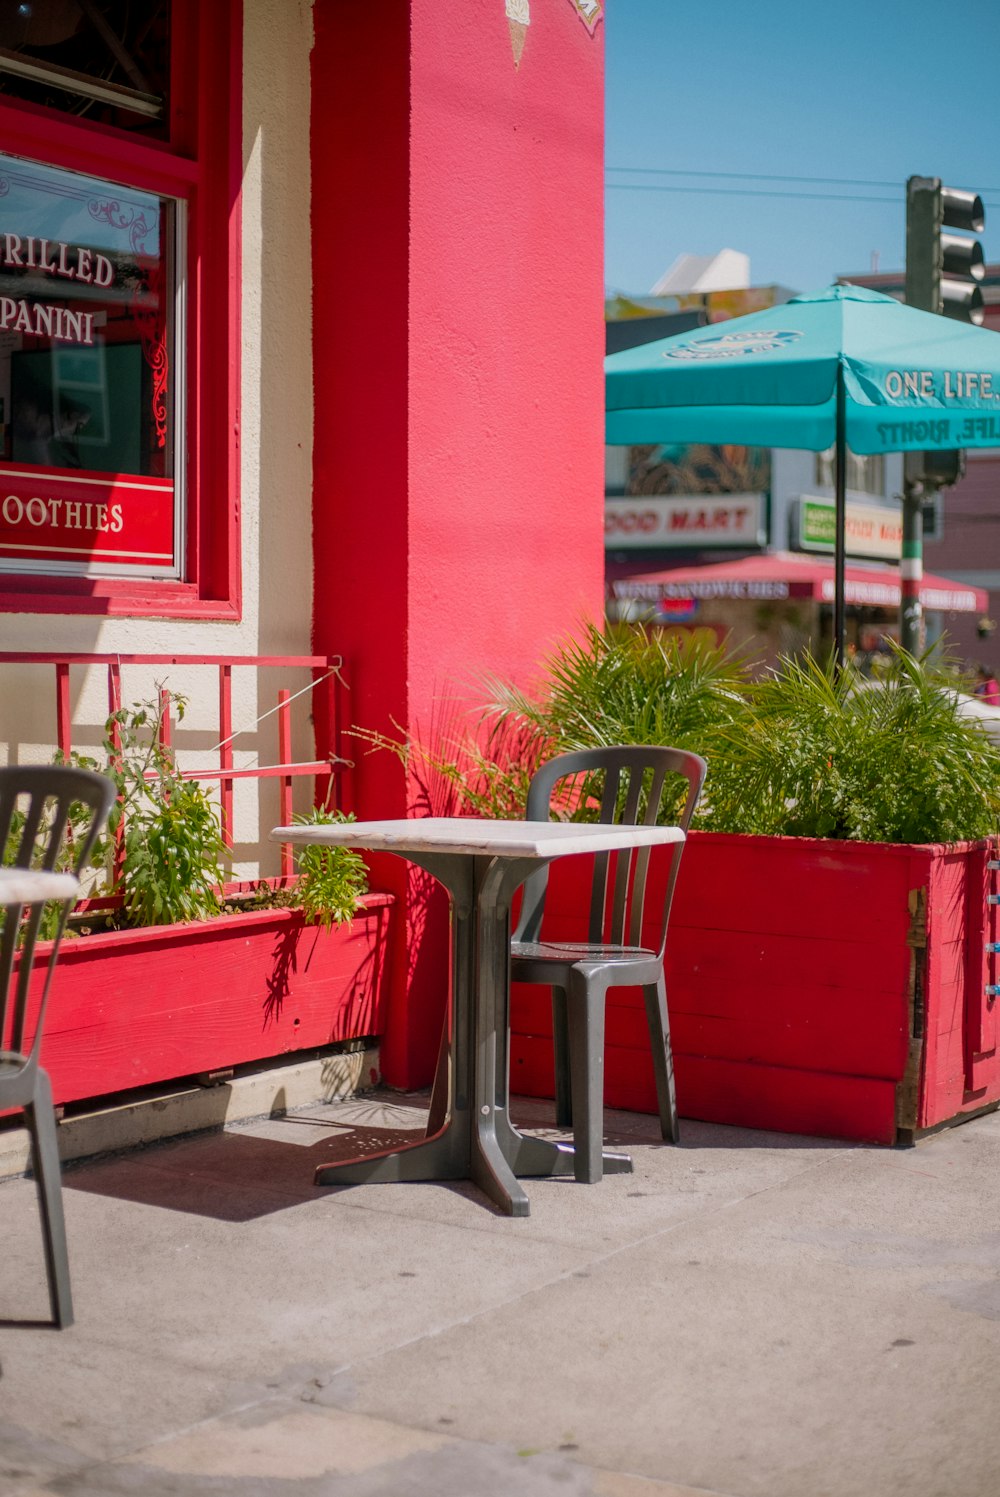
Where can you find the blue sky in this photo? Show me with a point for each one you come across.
(876, 92)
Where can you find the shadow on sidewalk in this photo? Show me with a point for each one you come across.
(245, 1172)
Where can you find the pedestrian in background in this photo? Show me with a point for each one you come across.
(987, 686)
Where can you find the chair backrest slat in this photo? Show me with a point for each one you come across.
(46, 838)
(634, 790)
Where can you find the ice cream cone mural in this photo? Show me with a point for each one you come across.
(518, 20)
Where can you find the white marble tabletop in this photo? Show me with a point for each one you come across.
(466, 834)
(28, 886)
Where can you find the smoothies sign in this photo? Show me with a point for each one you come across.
(96, 521)
(87, 404)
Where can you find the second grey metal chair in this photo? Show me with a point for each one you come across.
(636, 785)
(36, 832)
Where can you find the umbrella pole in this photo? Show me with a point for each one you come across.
(840, 534)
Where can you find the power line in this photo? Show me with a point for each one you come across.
(752, 192)
(674, 171)
(749, 192)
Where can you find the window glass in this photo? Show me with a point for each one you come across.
(88, 396)
(865, 472)
(106, 62)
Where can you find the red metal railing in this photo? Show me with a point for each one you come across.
(327, 685)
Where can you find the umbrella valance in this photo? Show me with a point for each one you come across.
(777, 575)
(911, 380)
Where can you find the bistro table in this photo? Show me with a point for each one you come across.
(481, 864)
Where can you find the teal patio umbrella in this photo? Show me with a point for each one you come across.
(844, 367)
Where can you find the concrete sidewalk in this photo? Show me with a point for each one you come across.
(746, 1314)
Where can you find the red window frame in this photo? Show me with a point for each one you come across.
(200, 163)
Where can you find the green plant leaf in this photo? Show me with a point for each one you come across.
(331, 879)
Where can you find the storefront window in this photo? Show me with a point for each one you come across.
(119, 308)
(108, 63)
(865, 472)
(87, 376)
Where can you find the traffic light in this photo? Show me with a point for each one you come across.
(943, 270)
(939, 469)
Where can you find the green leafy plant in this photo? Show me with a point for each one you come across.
(331, 879)
(627, 684)
(817, 752)
(173, 849)
(620, 684)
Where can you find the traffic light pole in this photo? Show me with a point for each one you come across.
(911, 569)
(840, 524)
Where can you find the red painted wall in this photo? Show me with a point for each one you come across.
(458, 340)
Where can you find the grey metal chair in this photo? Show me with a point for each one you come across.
(637, 786)
(35, 827)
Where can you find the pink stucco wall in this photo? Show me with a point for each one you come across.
(458, 340)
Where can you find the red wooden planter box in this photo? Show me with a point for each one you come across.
(832, 988)
(141, 1007)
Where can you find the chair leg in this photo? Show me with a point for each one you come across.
(655, 995)
(586, 1050)
(41, 1121)
(560, 1049)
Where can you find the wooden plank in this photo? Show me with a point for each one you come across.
(961, 1071)
(779, 1027)
(738, 961)
(795, 886)
(980, 1031)
(786, 1100)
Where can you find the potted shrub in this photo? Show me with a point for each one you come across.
(176, 973)
(827, 966)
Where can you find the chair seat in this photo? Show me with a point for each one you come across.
(576, 951)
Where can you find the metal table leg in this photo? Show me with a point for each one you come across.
(448, 1154)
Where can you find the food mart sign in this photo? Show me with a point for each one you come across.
(688, 520)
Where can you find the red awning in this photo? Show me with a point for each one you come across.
(782, 574)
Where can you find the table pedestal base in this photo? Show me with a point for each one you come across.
(489, 1151)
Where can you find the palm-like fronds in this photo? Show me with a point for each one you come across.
(625, 684)
(822, 753)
